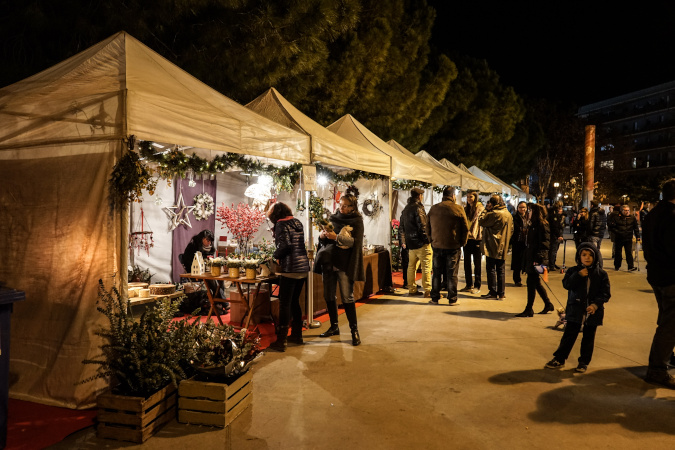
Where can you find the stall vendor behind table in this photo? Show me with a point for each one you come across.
(202, 242)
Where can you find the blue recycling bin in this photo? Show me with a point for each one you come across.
(7, 299)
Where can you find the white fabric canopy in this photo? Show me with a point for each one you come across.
(326, 146)
(402, 166)
(503, 188)
(451, 177)
(514, 192)
(469, 180)
(120, 87)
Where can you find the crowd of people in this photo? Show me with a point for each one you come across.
(434, 242)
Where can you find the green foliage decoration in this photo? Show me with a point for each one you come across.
(406, 185)
(141, 357)
(129, 178)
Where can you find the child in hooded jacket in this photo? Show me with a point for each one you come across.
(588, 290)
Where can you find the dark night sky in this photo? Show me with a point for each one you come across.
(564, 50)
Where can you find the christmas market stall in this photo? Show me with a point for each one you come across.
(340, 164)
(69, 136)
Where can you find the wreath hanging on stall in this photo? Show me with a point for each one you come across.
(371, 208)
(204, 206)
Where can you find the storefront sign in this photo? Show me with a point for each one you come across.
(309, 177)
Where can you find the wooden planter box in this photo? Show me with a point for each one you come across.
(135, 419)
(214, 404)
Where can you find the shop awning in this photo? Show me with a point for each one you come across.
(452, 178)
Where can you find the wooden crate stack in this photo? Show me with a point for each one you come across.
(135, 419)
(214, 404)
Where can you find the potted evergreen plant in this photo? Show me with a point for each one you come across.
(217, 265)
(233, 266)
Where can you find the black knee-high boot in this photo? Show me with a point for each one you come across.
(333, 314)
(350, 312)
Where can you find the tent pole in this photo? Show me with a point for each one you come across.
(311, 323)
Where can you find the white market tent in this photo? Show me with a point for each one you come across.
(451, 178)
(61, 132)
(403, 166)
(514, 191)
(326, 147)
(503, 188)
(469, 180)
(524, 196)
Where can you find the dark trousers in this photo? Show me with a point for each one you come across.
(517, 254)
(533, 286)
(404, 266)
(623, 245)
(553, 252)
(664, 337)
(289, 301)
(472, 252)
(446, 261)
(496, 275)
(568, 339)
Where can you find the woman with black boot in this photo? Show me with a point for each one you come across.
(519, 242)
(536, 255)
(347, 264)
(289, 238)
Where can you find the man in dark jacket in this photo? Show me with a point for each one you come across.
(556, 222)
(413, 228)
(659, 249)
(624, 227)
(596, 224)
(448, 230)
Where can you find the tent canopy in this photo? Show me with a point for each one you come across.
(121, 87)
(469, 180)
(451, 177)
(503, 188)
(402, 166)
(326, 146)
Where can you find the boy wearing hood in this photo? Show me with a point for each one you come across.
(588, 291)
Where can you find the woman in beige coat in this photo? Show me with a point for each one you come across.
(473, 209)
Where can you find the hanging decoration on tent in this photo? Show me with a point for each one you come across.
(372, 207)
(179, 213)
(318, 212)
(191, 179)
(141, 240)
(158, 200)
(204, 206)
(406, 185)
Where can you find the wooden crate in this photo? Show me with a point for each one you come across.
(214, 404)
(135, 419)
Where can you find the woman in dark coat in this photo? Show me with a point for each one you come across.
(347, 256)
(518, 241)
(289, 238)
(580, 227)
(536, 254)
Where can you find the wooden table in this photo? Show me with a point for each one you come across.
(244, 299)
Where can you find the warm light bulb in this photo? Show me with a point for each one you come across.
(322, 180)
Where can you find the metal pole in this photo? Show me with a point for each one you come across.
(311, 323)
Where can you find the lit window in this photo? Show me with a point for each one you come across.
(634, 163)
(607, 164)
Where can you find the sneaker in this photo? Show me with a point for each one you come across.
(455, 303)
(427, 295)
(501, 297)
(554, 364)
(632, 269)
(666, 380)
(490, 297)
(581, 368)
(433, 302)
(475, 291)
(466, 289)
(415, 292)
(489, 294)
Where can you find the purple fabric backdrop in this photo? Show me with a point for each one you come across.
(182, 234)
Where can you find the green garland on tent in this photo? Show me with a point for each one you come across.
(406, 185)
(349, 178)
(176, 163)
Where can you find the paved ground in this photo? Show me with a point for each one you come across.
(437, 377)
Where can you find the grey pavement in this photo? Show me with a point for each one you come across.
(436, 377)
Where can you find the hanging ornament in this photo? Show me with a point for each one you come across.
(191, 181)
(179, 213)
(141, 240)
(203, 206)
(158, 200)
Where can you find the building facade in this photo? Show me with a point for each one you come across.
(635, 133)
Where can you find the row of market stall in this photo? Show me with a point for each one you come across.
(63, 130)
